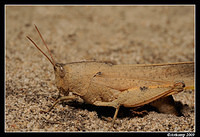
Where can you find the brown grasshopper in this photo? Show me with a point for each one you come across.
(105, 84)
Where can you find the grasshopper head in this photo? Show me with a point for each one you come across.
(59, 70)
(60, 77)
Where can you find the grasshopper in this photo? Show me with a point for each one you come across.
(105, 84)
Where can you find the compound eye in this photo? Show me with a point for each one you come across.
(61, 68)
(62, 72)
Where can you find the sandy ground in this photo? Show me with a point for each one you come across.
(125, 35)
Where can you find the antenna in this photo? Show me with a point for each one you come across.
(40, 50)
(44, 43)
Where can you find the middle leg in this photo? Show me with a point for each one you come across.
(110, 104)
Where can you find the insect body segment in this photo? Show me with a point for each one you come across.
(58, 68)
